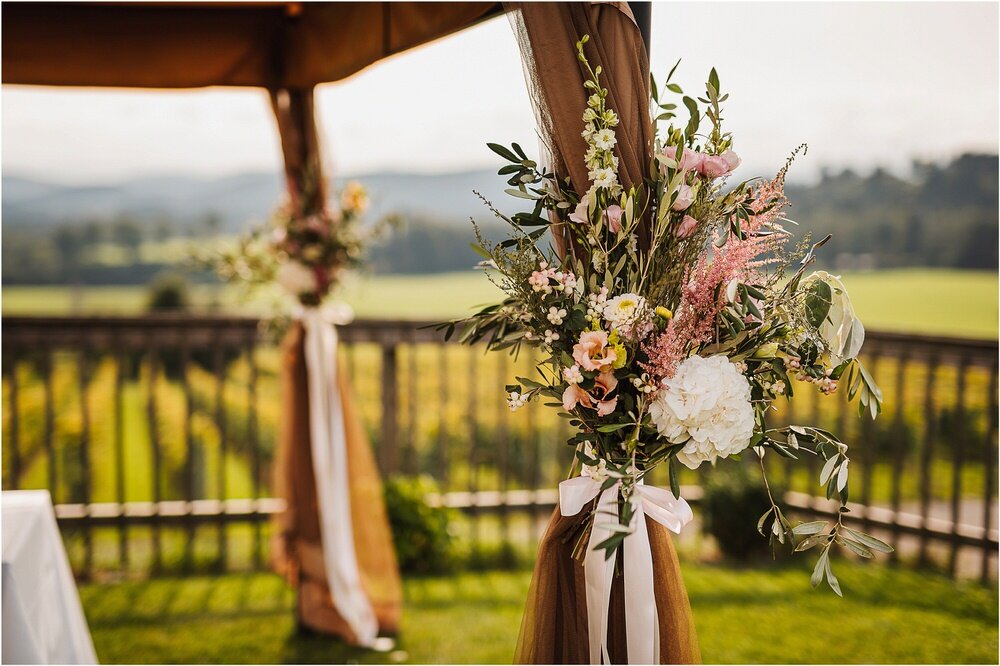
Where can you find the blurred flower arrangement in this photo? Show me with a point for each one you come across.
(305, 254)
(679, 312)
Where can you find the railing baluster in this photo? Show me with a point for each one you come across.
(989, 468)
(503, 448)
(189, 453)
(154, 441)
(472, 407)
(119, 429)
(83, 374)
(14, 428)
(900, 449)
(50, 428)
(218, 362)
(958, 445)
(927, 455)
(390, 404)
(411, 460)
(444, 463)
(868, 456)
(254, 444)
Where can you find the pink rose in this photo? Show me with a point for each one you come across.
(614, 217)
(732, 159)
(592, 351)
(580, 215)
(685, 197)
(714, 166)
(687, 227)
(690, 159)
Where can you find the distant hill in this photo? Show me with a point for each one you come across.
(944, 216)
(237, 200)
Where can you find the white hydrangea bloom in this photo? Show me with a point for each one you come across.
(707, 403)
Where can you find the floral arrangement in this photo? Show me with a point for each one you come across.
(677, 314)
(305, 254)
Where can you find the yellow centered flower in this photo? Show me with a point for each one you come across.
(665, 313)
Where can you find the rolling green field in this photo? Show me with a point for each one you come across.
(945, 302)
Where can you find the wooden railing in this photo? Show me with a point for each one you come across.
(151, 430)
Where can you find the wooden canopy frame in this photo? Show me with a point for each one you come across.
(285, 47)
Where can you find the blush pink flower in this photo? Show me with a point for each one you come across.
(614, 217)
(691, 160)
(714, 166)
(685, 197)
(592, 351)
(580, 215)
(686, 227)
(598, 398)
(732, 159)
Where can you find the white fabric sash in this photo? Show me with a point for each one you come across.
(329, 453)
(642, 626)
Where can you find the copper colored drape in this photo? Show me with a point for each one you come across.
(298, 550)
(554, 627)
(547, 33)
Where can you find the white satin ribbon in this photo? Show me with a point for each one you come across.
(642, 627)
(329, 453)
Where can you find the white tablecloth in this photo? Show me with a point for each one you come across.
(43, 621)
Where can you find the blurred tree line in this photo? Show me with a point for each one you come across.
(944, 216)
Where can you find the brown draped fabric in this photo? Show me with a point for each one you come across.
(298, 550)
(194, 44)
(547, 33)
(554, 627)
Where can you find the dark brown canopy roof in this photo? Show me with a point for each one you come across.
(188, 45)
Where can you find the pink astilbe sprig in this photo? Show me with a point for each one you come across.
(703, 293)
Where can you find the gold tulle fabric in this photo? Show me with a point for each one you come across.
(298, 552)
(554, 627)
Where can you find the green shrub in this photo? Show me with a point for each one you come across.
(421, 532)
(735, 498)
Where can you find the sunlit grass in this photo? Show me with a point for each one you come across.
(743, 615)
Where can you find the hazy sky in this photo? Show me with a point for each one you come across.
(864, 84)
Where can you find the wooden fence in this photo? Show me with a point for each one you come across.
(160, 427)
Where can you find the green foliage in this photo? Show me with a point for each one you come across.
(169, 292)
(734, 500)
(421, 532)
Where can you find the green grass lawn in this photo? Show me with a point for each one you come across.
(754, 615)
(948, 302)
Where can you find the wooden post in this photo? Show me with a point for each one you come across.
(294, 111)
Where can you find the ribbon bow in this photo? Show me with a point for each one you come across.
(643, 635)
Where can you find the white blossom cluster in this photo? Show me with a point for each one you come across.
(599, 133)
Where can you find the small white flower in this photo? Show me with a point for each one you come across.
(598, 472)
(624, 309)
(633, 243)
(594, 101)
(604, 177)
(516, 401)
(550, 336)
(572, 374)
(555, 315)
(604, 139)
